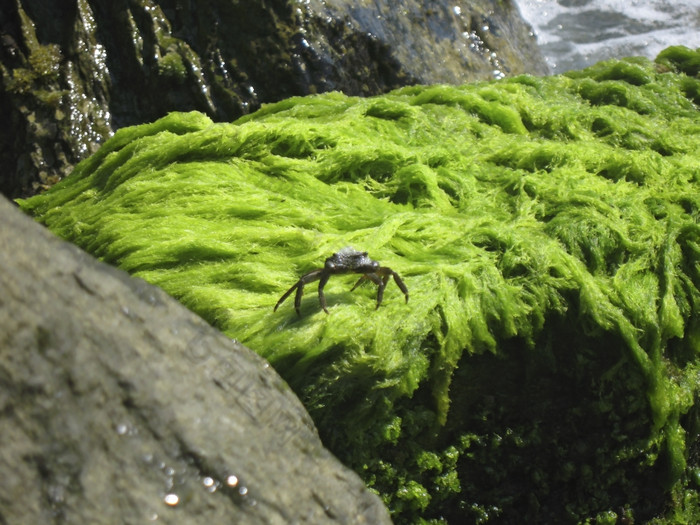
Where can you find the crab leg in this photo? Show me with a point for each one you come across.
(299, 287)
(321, 296)
(368, 276)
(376, 280)
(399, 282)
(381, 282)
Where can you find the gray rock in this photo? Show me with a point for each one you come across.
(70, 75)
(118, 405)
(390, 44)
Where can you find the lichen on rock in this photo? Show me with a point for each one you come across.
(545, 367)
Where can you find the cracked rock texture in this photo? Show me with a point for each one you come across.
(71, 74)
(118, 405)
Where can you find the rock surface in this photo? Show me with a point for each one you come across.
(71, 75)
(117, 405)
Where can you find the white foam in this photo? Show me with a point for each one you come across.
(582, 32)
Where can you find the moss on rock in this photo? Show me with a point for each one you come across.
(546, 366)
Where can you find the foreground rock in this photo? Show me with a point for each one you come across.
(117, 405)
(70, 75)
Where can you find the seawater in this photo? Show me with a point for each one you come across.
(574, 34)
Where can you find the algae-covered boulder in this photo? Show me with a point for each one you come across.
(545, 368)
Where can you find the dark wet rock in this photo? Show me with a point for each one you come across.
(117, 405)
(70, 75)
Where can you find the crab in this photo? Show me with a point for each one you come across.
(347, 260)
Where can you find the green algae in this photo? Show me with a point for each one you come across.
(546, 365)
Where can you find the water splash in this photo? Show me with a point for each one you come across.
(574, 35)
